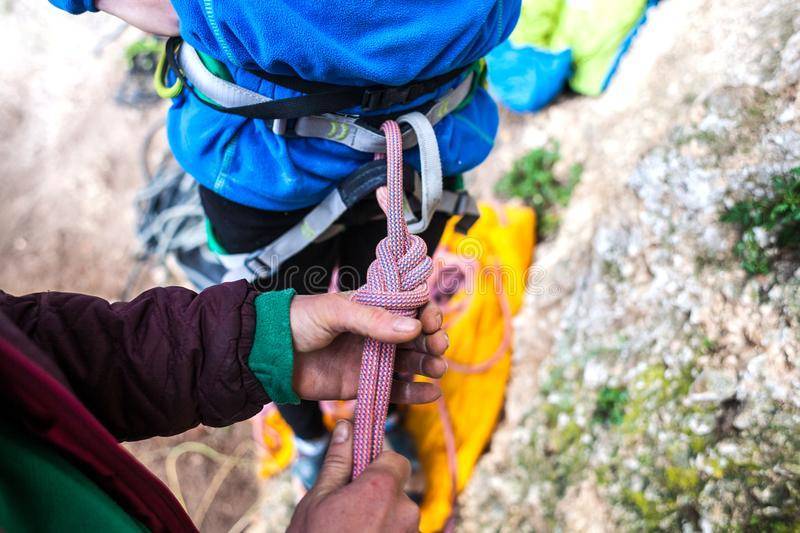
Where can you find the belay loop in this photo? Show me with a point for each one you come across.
(396, 281)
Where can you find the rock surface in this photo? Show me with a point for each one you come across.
(656, 385)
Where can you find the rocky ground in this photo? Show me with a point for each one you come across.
(658, 387)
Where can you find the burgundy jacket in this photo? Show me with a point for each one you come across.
(84, 374)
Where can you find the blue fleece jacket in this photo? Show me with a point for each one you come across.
(76, 7)
(345, 42)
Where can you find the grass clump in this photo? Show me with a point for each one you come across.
(533, 180)
(769, 227)
(142, 54)
(610, 407)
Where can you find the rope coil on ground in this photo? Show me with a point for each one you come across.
(396, 281)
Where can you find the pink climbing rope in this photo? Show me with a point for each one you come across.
(396, 281)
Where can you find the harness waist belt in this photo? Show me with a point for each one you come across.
(349, 130)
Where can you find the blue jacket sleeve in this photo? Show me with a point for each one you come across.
(76, 7)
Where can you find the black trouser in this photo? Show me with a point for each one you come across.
(239, 229)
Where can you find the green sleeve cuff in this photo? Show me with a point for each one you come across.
(272, 356)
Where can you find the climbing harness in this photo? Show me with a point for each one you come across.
(318, 114)
(396, 281)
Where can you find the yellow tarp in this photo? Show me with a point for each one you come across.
(501, 243)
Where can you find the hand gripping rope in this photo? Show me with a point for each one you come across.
(396, 281)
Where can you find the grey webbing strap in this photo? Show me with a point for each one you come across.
(333, 127)
(430, 167)
(270, 258)
(267, 260)
(227, 94)
(346, 131)
(458, 203)
(343, 130)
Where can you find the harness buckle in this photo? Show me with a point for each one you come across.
(462, 200)
(388, 96)
(279, 126)
(257, 267)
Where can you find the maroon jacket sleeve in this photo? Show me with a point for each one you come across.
(157, 365)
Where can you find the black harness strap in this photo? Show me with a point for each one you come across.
(322, 97)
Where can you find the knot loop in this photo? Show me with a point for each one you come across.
(398, 283)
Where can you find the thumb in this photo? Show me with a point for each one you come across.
(338, 465)
(374, 322)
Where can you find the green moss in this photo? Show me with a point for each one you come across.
(708, 346)
(706, 137)
(612, 271)
(657, 458)
(638, 500)
(566, 436)
(681, 479)
(553, 410)
(683, 137)
(650, 381)
(553, 382)
(697, 443)
(778, 525)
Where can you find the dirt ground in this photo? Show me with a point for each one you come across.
(68, 153)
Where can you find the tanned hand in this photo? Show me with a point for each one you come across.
(328, 332)
(373, 503)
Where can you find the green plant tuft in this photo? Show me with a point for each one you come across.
(769, 227)
(533, 180)
(610, 407)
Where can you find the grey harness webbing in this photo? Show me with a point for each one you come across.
(320, 223)
(342, 129)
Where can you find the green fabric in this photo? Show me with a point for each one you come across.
(213, 243)
(458, 182)
(272, 356)
(593, 29)
(538, 20)
(217, 68)
(42, 491)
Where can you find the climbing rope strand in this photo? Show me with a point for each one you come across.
(396, 281)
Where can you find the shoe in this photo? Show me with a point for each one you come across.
(310, 456)
(399, 440)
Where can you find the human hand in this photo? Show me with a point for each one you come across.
(375, 502)
(152, 16)
(328, 332)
